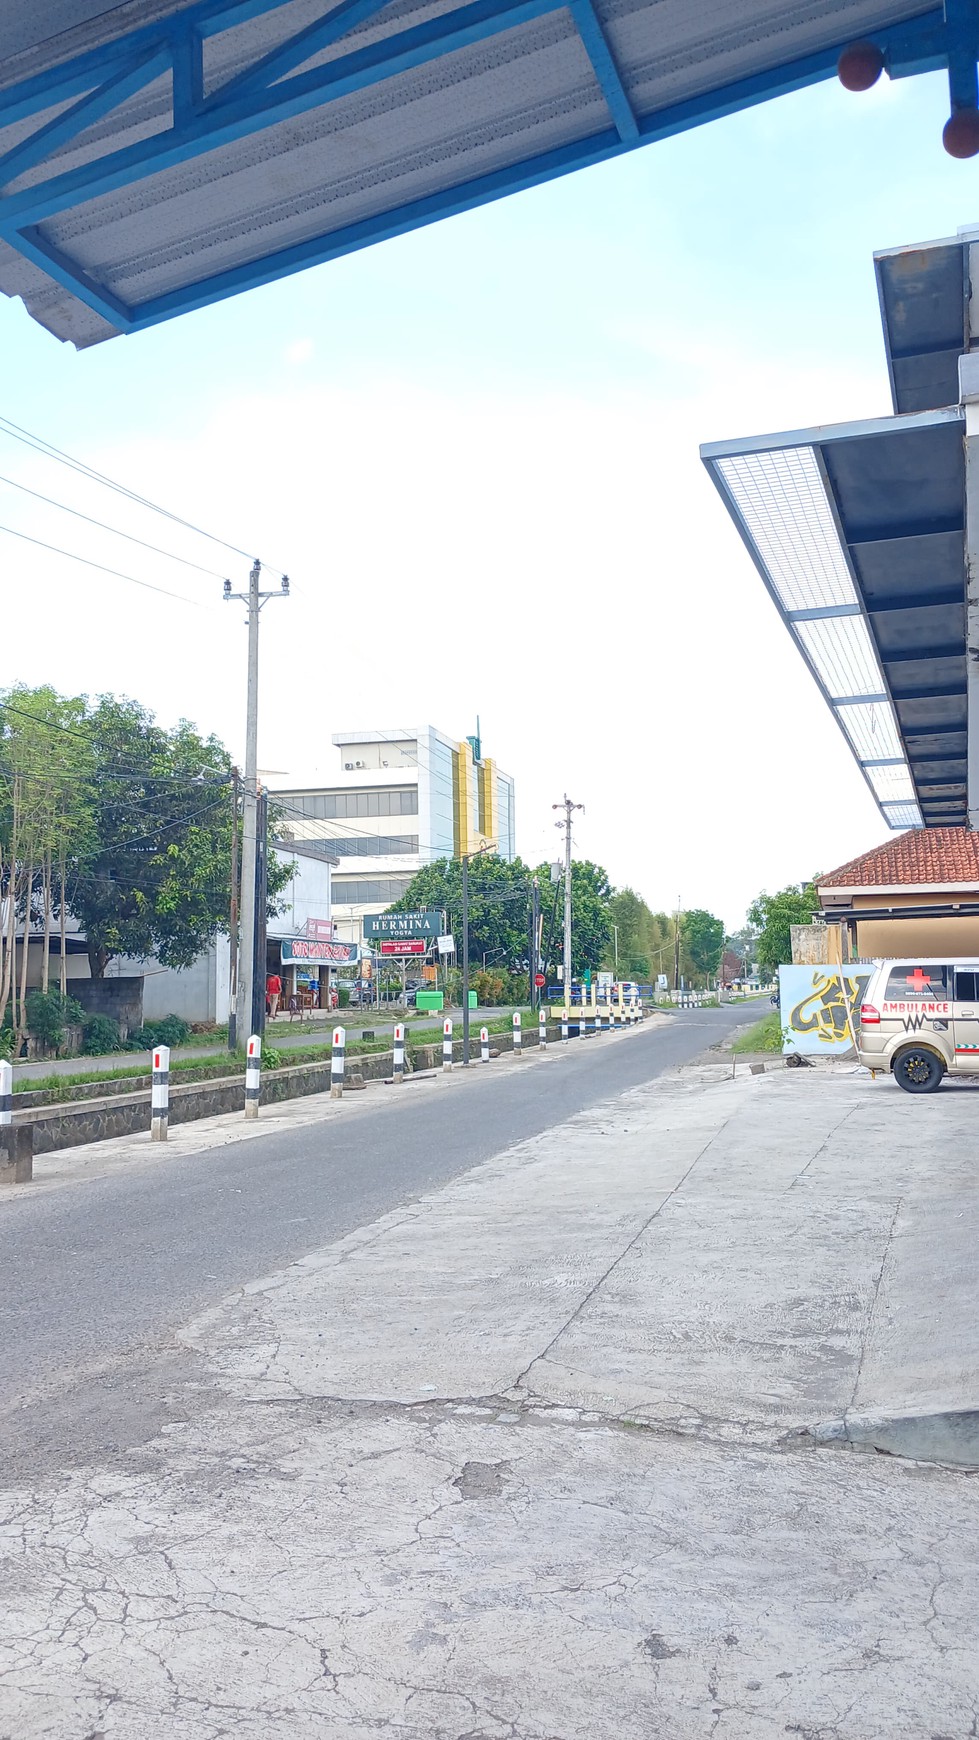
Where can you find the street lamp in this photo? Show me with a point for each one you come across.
(487, 846)
(488, 956)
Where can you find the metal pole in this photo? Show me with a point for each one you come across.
(534, 928)
(465, 960)
(567, 806)
(233, 926)
(249, 816)
(261, 912)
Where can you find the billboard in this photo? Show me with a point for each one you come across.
(309, 951)
(815, 1002)
(402, 924)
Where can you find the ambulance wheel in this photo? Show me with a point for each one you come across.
(916, 1070)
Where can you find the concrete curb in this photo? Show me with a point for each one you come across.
(946, 1435)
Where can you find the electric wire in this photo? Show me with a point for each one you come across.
(116, 531)
(147, 585)
(48, 449)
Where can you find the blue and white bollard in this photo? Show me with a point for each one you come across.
(399, 1054)
(484, 1055)
(517, 1034)
(447, 1044)
(337, 1062)
(253, 1076)
(6, 1094)
(542, 1027)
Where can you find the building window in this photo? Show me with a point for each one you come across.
(342, 806)
(371, 845)
(368, 891)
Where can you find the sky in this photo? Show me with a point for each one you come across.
(474, 450)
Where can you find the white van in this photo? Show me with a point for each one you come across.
(920, 1019)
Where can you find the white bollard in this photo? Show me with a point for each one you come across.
(160, 1094)
(582, 1023)
(337, 1062)
(253, 1076)
(447, 1044)
(6, 1093)
(542, 1027)
(517, 1034)
(484, 1055)
(399, 1055)
(564, 1026)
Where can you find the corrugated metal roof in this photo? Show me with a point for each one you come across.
(157, 156)
(858, 533)
(924, 303)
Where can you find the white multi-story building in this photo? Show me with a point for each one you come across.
(403, 798)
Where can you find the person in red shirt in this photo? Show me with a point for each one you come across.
(273, 991)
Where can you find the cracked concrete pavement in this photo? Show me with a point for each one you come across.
(523, 1459)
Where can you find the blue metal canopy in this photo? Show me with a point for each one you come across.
(858, 532)
(157, 155)
(924, 304)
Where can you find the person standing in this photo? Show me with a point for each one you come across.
(273, 991)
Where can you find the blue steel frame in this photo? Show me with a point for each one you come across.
(815, 438)
(96, 83)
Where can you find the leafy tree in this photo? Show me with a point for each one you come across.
(773, 916)
(702, 941)
(591, 930)
(629, 923)
(744, 944)
(155, 874)
(499, 905)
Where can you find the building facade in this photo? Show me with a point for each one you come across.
(402, 799)
(916, 895)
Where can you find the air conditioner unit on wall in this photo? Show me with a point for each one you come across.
(348, 767)
(358, 764)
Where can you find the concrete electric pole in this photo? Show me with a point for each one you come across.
(568, 807)
(244, 1012)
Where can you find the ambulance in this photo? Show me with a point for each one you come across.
(920, 1020)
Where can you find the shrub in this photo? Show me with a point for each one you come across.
(100, 1033)
(271, 1059)
(171, 1030)
(48, 1012)
(344, 995)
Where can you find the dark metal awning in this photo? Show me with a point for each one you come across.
(924, 304)
(157, 155)
(857, 530)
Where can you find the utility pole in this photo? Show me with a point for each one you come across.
(676, 946)
(233, 925)
(465, 960)
(568, 807)
(255, 599)
(534, 940)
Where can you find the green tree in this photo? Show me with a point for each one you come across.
(154, 874)
(702, 943)
(591, 925)
(499, 905)
(633, 930)
(773, 916)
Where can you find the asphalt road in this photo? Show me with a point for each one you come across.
(96, 1276)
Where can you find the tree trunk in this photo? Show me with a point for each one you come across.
(63, 974)
(46, 946)
(98, 960)
(21, 1025)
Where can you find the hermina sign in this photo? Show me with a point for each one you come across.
(402, 924)
(296, 949)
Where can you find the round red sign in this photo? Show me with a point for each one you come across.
(539, 981)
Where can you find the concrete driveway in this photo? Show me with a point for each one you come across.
(556, 1452)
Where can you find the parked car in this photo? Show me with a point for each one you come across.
(920, 1020)
(412, 989)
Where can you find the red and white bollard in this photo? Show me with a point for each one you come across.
(253, 1076)
(337, 1062)
(517, 1034)
(447, 1044)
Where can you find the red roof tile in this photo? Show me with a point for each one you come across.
(922, 858)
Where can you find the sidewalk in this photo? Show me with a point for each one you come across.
(532, 1459)
(279, 1033)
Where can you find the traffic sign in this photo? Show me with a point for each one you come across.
(539, 981)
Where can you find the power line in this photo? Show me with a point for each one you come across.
(147, 586)
(114, 770)
(47, 448)
(115, 530)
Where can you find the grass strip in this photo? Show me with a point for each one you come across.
(765, 1035)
